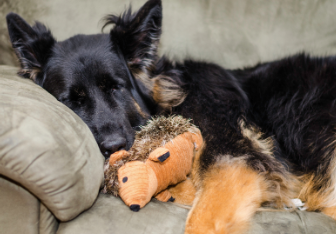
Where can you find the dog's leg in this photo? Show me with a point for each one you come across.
(228, 196)
(330, 211)
(323, 200)
(319, 193)
(319, 189)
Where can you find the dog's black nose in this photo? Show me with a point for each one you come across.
(108, 147)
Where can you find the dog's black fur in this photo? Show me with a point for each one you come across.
(115, 82)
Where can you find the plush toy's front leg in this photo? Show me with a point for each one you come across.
(164, 196)
(228, 197)
(184, 192)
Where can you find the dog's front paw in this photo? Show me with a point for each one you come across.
(228, 198)
(207, 216)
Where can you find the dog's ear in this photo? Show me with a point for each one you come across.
(138, 34)
(33, 45)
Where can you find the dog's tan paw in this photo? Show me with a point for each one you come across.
(227, 200)
(330, 211)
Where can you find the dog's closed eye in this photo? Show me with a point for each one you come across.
(78, 95)
(102, 85)
(80, 92)
(109, 88)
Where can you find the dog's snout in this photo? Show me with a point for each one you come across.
(109, 146)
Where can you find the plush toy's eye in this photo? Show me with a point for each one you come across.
(124, 180)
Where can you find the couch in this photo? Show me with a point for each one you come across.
(50, 166)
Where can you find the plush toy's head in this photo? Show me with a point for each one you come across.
(161, 156)
(138, 184)
(165, 166)
(156, 133)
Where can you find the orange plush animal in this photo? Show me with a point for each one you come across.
(161, 156)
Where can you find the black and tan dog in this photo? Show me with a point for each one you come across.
(270, 130)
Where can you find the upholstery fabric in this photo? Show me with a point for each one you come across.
(110, 215)
(46, 148)
(167, 218)
(232, 33)
(296, 222)
(19, 209)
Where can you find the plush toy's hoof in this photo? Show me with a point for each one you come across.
(171, 199)
(135, 207)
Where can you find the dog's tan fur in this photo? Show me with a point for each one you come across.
(31, 72)
(229, 195)
(163, 89)
(282, 185)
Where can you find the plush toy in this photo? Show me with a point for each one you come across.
(161, 156)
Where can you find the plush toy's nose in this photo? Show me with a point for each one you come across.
(135, 207)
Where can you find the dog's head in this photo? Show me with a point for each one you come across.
(103, 78)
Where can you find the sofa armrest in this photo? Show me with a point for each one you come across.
(47, 148)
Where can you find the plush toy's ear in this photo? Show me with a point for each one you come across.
(159, 155)
(33, 45)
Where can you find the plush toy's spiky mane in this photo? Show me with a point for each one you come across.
(157, 132)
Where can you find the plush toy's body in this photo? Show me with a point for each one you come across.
(161, 156)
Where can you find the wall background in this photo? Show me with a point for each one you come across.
(232, 33)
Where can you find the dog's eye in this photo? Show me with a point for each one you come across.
(115, 87)
(79, 92)
(80, 100)
(79, 95)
